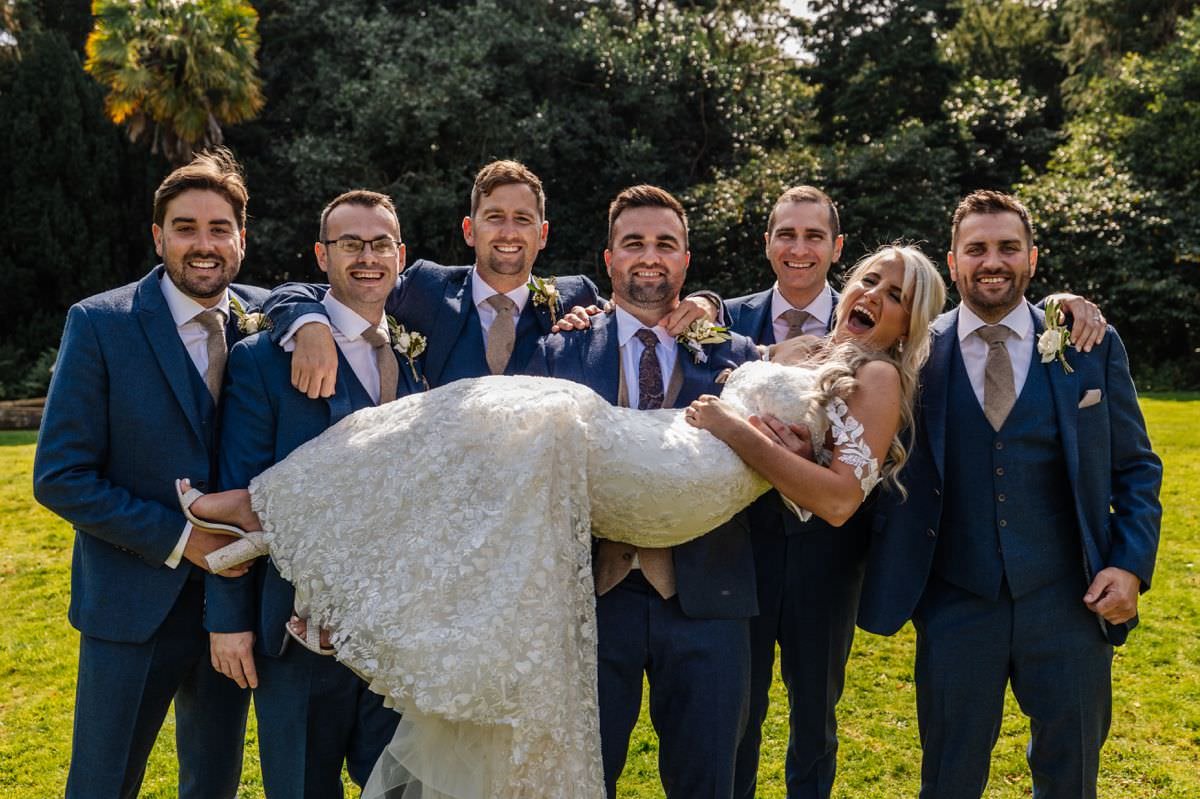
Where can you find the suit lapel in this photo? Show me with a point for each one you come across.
(159, 326)
(935, 378)
(448, 326)
(1065, 389)
(340, 404)
(603, 358)
(832, 311)
(696, 379)
(759, 325)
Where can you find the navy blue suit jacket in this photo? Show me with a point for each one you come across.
(436, 301)
(714, 574)
(1114, 476)
(123, 417)
(263, 419)
(751, 316)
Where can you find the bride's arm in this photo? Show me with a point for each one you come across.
(834, 492)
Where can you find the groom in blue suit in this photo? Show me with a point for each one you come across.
(1030, 527)
(679, 616)
(133, 402)
(809, 573)
(313, 713)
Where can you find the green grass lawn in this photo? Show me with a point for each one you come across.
(1153, 751)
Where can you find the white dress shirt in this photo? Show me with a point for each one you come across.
(974, 349)
(480, 291)
(631, 351)
(819, 312)
(195, 340)
(347, 327)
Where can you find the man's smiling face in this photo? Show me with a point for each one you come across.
(801, 247)
(992, 263)
(507, 232)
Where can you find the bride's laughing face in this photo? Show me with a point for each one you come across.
(873, 308)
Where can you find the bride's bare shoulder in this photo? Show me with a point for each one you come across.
(878, 376)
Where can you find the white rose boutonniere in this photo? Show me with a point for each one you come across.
(248, 323)
(1055, 339)
(698, 334)
(410, 344)
(543, 291)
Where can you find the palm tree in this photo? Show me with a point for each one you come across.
(176, 70)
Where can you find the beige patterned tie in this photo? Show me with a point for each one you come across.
(213, 322)
(795, 320)
(389, 370)
(502, 335)
(999, 389)
(650, 381)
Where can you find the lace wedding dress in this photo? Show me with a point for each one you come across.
(446, 540)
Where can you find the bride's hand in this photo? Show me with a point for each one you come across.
(711, 414)
(795, 438)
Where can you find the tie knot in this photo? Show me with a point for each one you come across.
(211, 320)
(795, 319)
(647, 337)
(993, 334)
(375, 337)
(502, 303)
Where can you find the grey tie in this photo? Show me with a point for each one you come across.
(502, 335)
(213, 322)
(650, 382)
(389, 370)
(795, 320)
(999, 388)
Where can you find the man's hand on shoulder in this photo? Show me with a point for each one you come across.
(689, 310)
(314, 361)
(1113, 595)
(233, 655)
(1087, 322)
(578, 318)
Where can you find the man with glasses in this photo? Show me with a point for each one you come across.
(313, 712)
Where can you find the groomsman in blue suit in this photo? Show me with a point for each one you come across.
(313, 712)
(679, 616)
(809, 573)
(133, 402)
(1030, 527)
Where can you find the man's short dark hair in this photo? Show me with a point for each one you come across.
(645, 196)
(806, 194)
(367, 199)
(212, 170)
(502, 173)
(986, 201)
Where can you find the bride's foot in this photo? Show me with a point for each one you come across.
(223, 512)
(310, 638)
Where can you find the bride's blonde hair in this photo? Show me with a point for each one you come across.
(924, 293)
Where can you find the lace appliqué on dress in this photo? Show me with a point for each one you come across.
(847, 433)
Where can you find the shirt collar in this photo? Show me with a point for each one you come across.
(628, 325)
(820, 308)
(346, 321)
(480, 291)
(1018, 320)
(184, 308)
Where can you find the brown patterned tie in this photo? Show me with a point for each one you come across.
(502, 335)
(389, 370)
(795, 320)
(213, 322)
(650, 381)
(999, 388)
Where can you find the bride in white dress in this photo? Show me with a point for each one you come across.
(446, 538)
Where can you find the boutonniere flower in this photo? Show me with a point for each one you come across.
(543, 292)
(410, 344)
(1055, 339)
(698, 334)
(248, 323)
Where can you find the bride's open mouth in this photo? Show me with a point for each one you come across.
(860, 320)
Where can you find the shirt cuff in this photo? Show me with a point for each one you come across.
(288, 341)
(176, 555)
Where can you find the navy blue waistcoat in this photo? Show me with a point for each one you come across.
(1008, 512)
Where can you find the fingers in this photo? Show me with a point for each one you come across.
(233, 656)
(761, 426)
(688, 311)
(795, 438)
(575, 319)
(314, 361)
(1113, 595)
(1088, 325)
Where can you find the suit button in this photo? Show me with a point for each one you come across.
(999, 445)
(1001, 498)
(999, 471)
(931, 533)
(1003, 523)
(627, 555)
(937, 492)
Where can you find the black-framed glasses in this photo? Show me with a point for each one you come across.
(384, 246)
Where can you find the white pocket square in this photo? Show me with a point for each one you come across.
(1090, 398)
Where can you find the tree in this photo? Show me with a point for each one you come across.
(175, 70)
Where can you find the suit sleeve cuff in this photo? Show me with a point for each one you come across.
(288, 341)
(173, 560)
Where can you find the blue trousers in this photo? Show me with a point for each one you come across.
(1052, 651)
(121, 698)
(698, 671)
(808, 588)
(313, 714)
